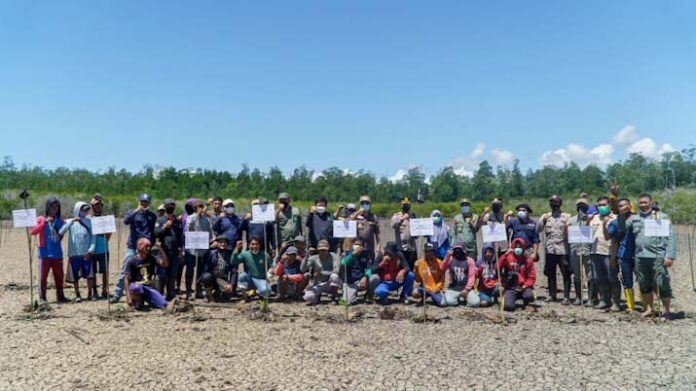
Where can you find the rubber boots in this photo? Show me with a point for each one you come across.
(630, 300)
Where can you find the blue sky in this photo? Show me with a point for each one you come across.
(376, 85)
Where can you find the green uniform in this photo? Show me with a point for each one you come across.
(650, 253)
(464, 230)
(289, 224)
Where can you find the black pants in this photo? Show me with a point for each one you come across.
(553, 260)
(193, 266)
(166, 276)
(411, 257)
(512, 295)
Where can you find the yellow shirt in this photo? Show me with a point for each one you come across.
(430, 275)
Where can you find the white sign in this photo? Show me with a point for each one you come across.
(103, 224)
(657, 228)
(263, 213)
(579, 234)
(24, 218)
(422, 227)
(345, 229)
(197, 240)
(494, 233)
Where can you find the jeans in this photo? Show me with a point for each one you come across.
(437, 297)
(606, 279)
(627, 267)
(488, 295)
(384, 287)
(118, 289)
(246, 281)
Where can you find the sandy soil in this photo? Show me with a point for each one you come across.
(228, 347)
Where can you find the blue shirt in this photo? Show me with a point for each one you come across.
(626, 248)
(142, 225)
(231, 227)
(524, 230)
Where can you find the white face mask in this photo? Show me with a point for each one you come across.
(229, 210)
(320, 209)
(522, 214)
(356, 247)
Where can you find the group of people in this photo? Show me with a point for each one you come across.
(288, 259)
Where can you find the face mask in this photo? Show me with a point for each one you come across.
(356, 247)
(555, 207)
(169, 210)
(459, 254)
(496, 207)
(406, 208)
(518, 251)
(522, 215)
(229, 210)
(464, 209)
(582, 209)
(82, 215)
(603, 210)
(320, 209)
(437, 219)
(365, 207)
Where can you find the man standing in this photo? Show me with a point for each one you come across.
(320, 225)
(81, 244)
(523, 227)
(142, 225)
(582, 250)
(288, 218)
(625, 251)
(168, 231)
(496, 216)
(554, 225)
(606, 273)
(256, 230)
(101, 251)
(464, 227)
(197, 222)
(368, 227)
(653, 254)
(227, 223)
(401, 223)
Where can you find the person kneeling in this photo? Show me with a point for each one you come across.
(139, 276)
(325, 266)
(357, 264)
(391, 274)
(519, 275)
(487, 275)
(430, 277)
(462, 274)
(291, 281)
(219, 276)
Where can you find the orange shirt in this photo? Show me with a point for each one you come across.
(429, 275)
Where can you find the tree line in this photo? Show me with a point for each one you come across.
(635, 174)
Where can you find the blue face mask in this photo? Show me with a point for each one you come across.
(437, 219)
(518, 251)
(464, 209)
(603, 210)
(365, 207)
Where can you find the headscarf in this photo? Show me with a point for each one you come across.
(440, 231)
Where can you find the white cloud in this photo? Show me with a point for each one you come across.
(626, 136)
(600, 155)
(625, 141)
(649, 148)
(399, 175)
(502, 157)
(478, 151)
